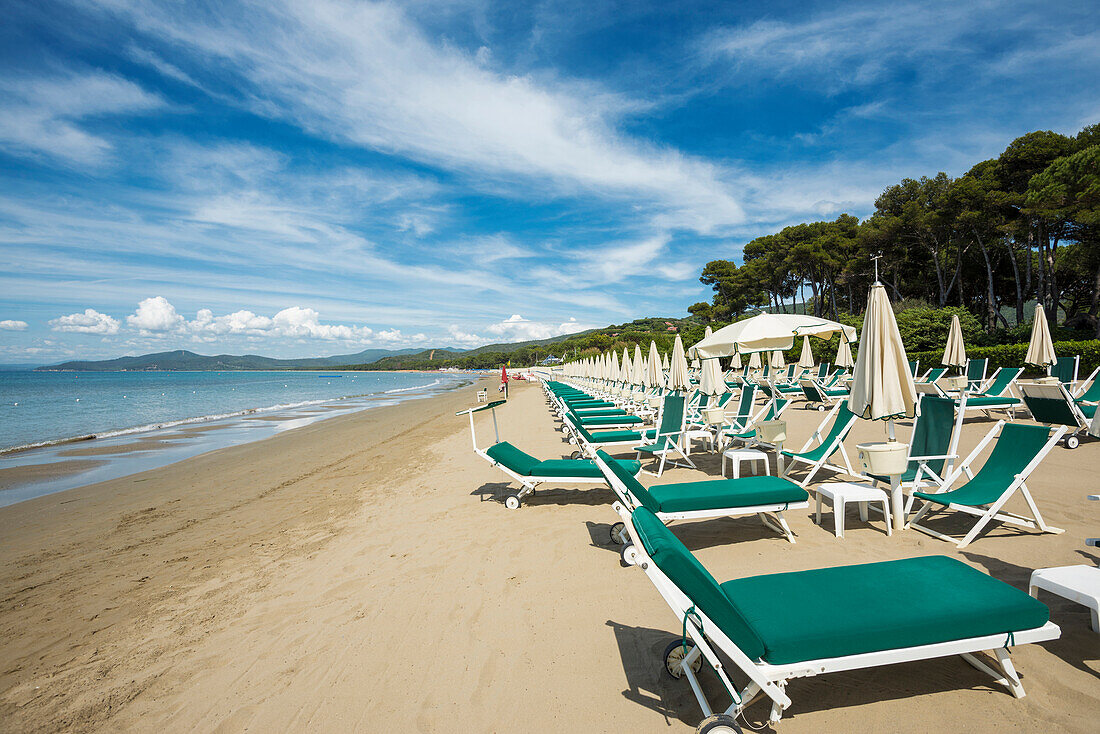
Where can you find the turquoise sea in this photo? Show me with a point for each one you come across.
(44, 414)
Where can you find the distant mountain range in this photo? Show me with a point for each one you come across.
(183, 360)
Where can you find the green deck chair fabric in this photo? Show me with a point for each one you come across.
(934, 374)
(605, 437)
(1092, 395)
(999, 387)
(775, 409)
(1065, 369)
(931, 436)
(975, 370)
(1054, 411)
(842, 423)
(1017, 445)
(672, 423)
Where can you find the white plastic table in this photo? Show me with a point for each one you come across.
(1079, 584)
(736, 456)
(841, 493)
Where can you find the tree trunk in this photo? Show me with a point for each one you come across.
(990, 309)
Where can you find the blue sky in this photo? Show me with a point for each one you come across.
(301, 178)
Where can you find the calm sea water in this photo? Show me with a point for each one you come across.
(42, 407)
(144, 420)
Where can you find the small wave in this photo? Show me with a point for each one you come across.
(414, 387)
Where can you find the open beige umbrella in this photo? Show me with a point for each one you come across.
(954, 353)
(882, 385)
(844, 353)
(775, 359)
(766, 332)
(678, 368)
(806, 359)
(1040, 352)
(656, 373)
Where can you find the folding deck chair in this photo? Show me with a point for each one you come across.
(1065, 369)
(840, 421)
(996, 393)
(669, 437)
(1017, 453)
(528, 471)
(782, 626)
(747, 434)
(933, 446)
(932, 375)
(1052, 405)
(763, 496)
(821, 397)
(975, 372)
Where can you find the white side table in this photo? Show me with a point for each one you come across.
(842, 493)
(1080, 584)
(736, 456)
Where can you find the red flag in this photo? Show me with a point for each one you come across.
(503, 374)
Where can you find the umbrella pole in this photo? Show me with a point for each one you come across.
(897, 504)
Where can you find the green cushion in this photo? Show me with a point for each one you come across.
(593, 412)
(623, 436)
(718, 494)
(690, 577)
(985, 402)
(833, 612)
(511, 457)
(609, 420)
(582, 468)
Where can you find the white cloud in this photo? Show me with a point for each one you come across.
(365, 74)
(12, 325)
(305, 322)
(41, 115)
(89, 322)
(155, 315)
(515, 328)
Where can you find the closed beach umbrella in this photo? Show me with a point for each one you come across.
(882, 385)
(737, 361)
(626, 371)
(954, 353)
(664, 363)
(806, 359)
(754, 361)
(710, 381)
(844, 353)
(1040, 352)
(775, 359)
(678, 367)
(639, 367)
(653, 367)
(613, 367)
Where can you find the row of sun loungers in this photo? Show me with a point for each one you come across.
(865, 615)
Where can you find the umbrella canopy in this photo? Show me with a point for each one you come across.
(882, 385)
(626, 371)
(664, 363)
(737, 361)
(954, 353)
(775, 359)
(806, 359)
(613, 367)
(711, 381)
(695, 364)
(754, 361)
(844, 353)
(638, 378)
(678, 368)
(655, 374)
(766, 332)
(1040, 352)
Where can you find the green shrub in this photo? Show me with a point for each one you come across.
(1012, 355)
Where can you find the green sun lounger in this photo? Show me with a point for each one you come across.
(782, 626)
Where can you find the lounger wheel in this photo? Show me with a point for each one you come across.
(675, 654)
(1073, 442)
(576, 455)
(512, 502)
(629, 554)
(718, 724)
(821, 409)
(616, 532)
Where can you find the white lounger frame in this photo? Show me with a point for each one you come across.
(778, 523)
(994, 511)
(527, 484)
(771, 680)
(823, 462)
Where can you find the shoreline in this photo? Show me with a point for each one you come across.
(359, 574)
(50, 467)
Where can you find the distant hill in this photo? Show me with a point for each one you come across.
(182, 360)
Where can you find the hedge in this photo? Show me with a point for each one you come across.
(1012, 355)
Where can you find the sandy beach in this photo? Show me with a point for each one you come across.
(358, 575)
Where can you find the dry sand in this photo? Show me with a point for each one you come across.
(356, 575)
